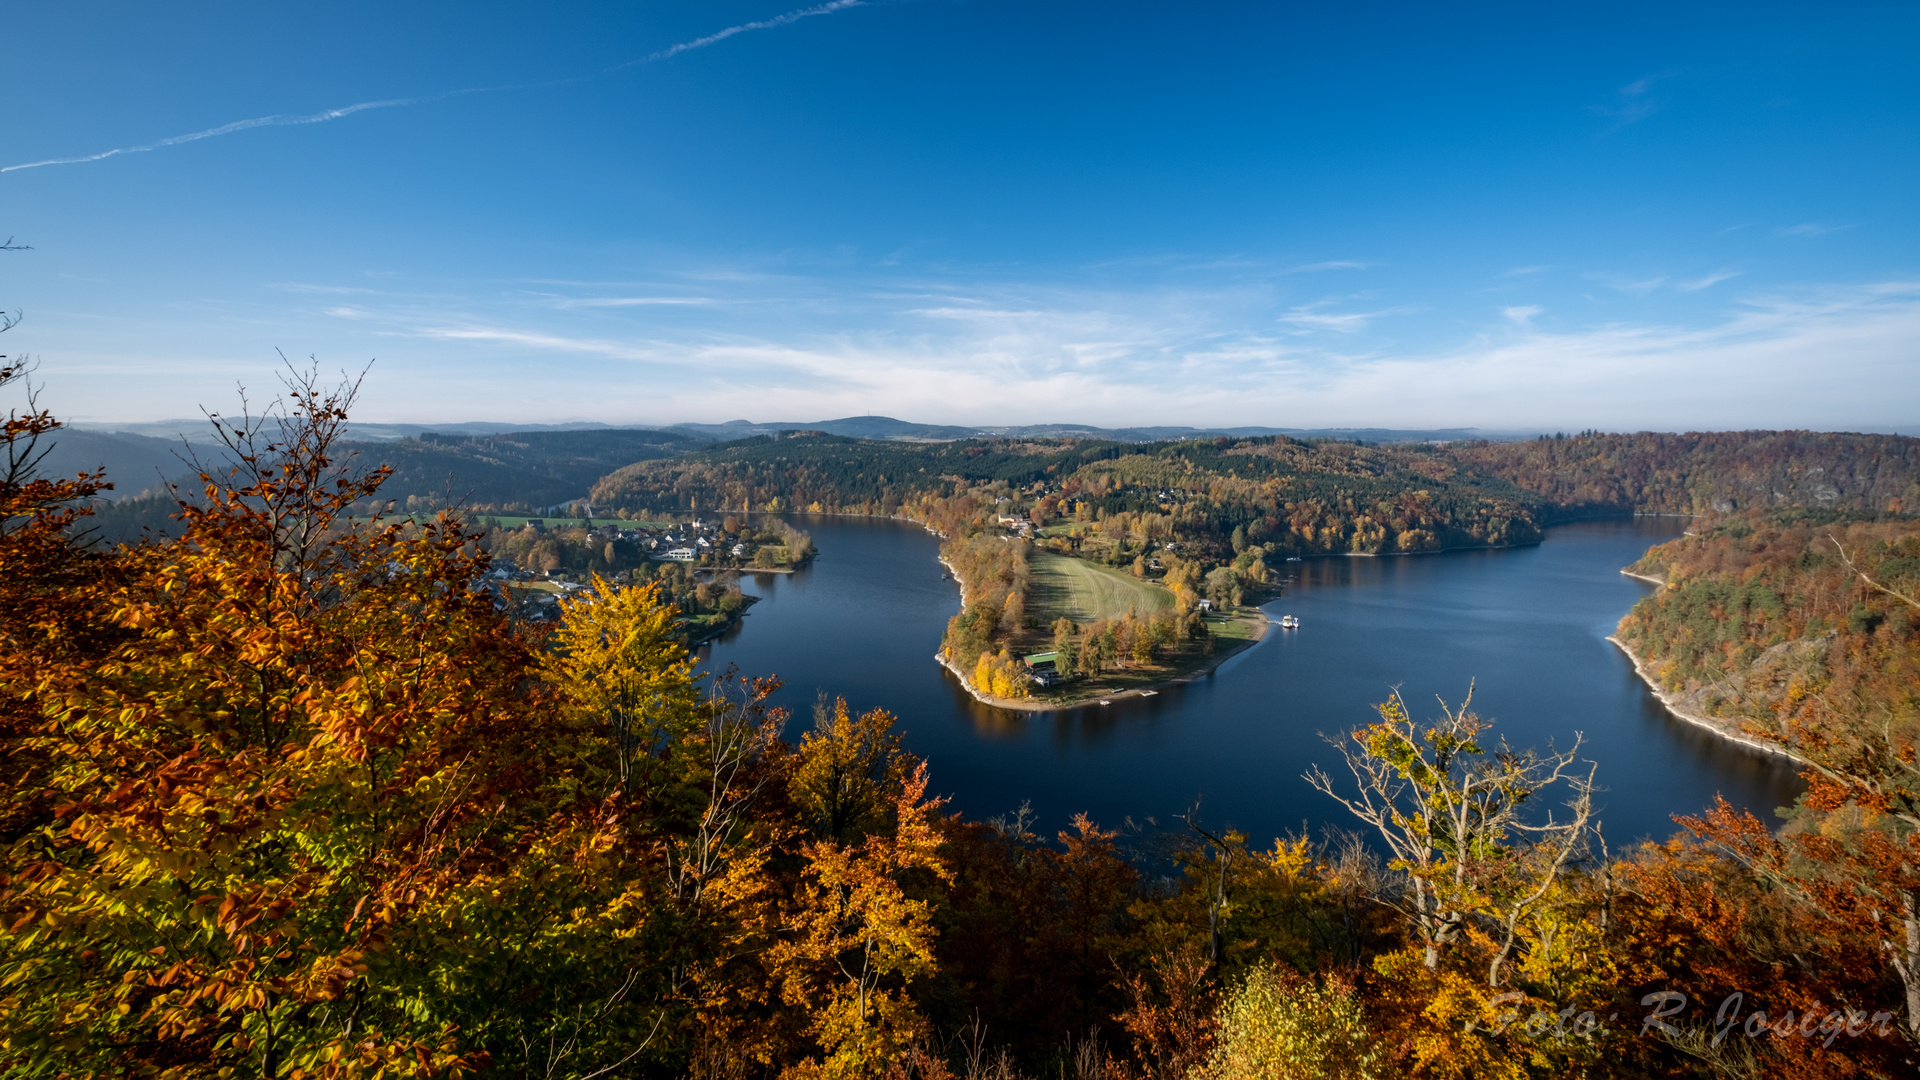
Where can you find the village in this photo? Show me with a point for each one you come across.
(697, 561)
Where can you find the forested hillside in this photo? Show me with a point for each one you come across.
(1317, 497)
(1698, 473)
(1293, 496)
(528, 469)
(1762, 623)
(1299, 498)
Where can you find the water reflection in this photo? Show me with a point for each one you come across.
(1528, 624)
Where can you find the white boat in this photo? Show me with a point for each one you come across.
(1289, 622)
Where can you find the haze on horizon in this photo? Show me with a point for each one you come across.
(976, 212)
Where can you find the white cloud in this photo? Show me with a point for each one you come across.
(973, 352)
(1706, 282)
(1336, 264)
(546, 342)
(1635, 286)
(1315, 316)
(635, 301)
(327, 290)
(1810, 229)
(1632, 103)
(1826, 358)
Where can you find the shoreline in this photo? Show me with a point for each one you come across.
(714, 632)
(718, 570)
(1030, 705)
(1722, 728)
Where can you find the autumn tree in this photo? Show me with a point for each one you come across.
(1453, 814)
(259, 781)
(859, 937)
(848, 771)
(313, 809)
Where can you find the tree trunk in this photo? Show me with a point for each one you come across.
(1910, 970)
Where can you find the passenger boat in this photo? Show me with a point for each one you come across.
(1289, 622)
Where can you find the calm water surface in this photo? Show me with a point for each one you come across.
(1528, 625)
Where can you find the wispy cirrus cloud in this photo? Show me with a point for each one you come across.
(326, 115)
(635, 301)
(1706, 281)
(548, 342)
(1631, 103)
(968, 350)
(1334, 264)
(1320, 316)
(1809, 229)
(1770, 362)
(1637, 286)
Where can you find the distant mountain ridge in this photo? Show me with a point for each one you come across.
(198, 430)
(133, 462)
(853, 427)
(482, 460)
(886, 427)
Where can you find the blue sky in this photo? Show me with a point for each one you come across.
(1674, 216)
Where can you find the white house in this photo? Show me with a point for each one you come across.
(680, 554)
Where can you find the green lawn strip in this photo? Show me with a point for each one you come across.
(1237, 627)
(1084, 592)
(1183, 661)
(1230, 633)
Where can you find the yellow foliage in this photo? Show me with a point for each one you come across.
(617, 662)
(860, 940)
(1275, 1025)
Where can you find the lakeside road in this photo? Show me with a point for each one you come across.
(1257, 624)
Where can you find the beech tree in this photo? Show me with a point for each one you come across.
(1454, 815)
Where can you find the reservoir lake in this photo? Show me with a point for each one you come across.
(1527, 625)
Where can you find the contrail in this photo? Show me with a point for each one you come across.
(722, 35)
(281, 120)
(286, 120)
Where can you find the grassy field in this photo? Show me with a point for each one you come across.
(1084, 592)
(1235, 630)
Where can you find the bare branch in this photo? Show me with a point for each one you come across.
(1862, 574)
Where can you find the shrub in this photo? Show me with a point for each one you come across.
(1276, 1025)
